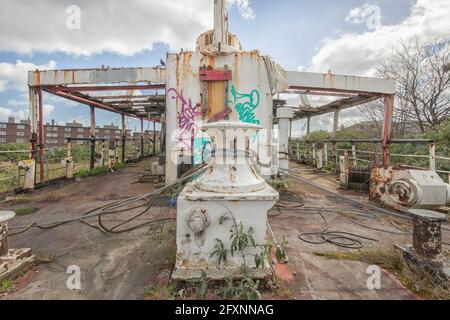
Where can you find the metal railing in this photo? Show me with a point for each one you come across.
(328, 151)
(12, 177)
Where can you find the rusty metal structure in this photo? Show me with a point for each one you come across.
(109, 89)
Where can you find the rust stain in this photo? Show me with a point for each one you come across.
(236, 71)
(283, 272)
(37, 78)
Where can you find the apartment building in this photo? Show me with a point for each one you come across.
(56, 135)
(148, 137)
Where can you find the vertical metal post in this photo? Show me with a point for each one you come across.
(335, 158)
(92, 133)
(124, 136)
(298, 151)
(116, 152)
(41, 137)
(308, 127)
(69, 148)
(290, 130)
(33, 114)
(355, 162)
(433, 156)
(314, 154)
(387, 128)
(335, 124)
(346, 169)
(154, 138)
(142, 138)
(103, 154)
(334, 137)
(325, 153)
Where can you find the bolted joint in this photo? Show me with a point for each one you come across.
(427, 233)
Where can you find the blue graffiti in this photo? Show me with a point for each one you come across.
(247, 108)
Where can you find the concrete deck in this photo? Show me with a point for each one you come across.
(124, 266)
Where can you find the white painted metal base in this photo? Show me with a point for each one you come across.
(198, 227)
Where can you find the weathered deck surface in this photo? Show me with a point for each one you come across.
(124, 266)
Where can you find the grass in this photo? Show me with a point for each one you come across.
(25, 211)
(415, 277)
(162, 293)
(118, 166)
(6, 286)
(49, 196)
(98, 171)
(92, 173)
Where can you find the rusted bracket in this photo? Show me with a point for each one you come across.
(215, 75)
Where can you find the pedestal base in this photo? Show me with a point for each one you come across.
(220, 273)
(439, 267)
(207, 220)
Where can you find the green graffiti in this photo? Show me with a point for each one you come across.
(247, 108)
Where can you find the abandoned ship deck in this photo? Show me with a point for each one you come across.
(138, 264)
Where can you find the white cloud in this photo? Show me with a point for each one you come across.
(48, 109)
(15, 76)
(244, 7)
(18, 103)
(22, 114)
(5, 113)
(122, 27)
(79, 119)
(360, 54)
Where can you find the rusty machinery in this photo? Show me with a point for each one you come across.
(404, 188)
(399, 187)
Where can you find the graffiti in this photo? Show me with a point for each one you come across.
(186, 117)
(247, 108)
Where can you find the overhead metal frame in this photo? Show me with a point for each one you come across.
(350, 91)
(83, 86)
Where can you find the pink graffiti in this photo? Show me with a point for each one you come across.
(186, 117)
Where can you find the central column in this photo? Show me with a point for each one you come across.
(220, 24)
(284, 116)
(230, 200)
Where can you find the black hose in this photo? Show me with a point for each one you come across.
(118, 207)
(338, 238)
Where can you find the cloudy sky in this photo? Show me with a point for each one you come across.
(347, 36)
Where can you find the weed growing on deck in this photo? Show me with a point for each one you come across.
(413, 276)
(25, 211)
(6, 286)
(92, 173)
(162, 293)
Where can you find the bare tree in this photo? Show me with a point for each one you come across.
(422, 97)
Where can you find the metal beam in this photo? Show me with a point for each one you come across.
(110, 88)
(337, 105)
(95, 76)
(339, 83)
(83, 100)
(156, 98)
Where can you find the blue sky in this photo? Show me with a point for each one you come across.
(300, 35)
